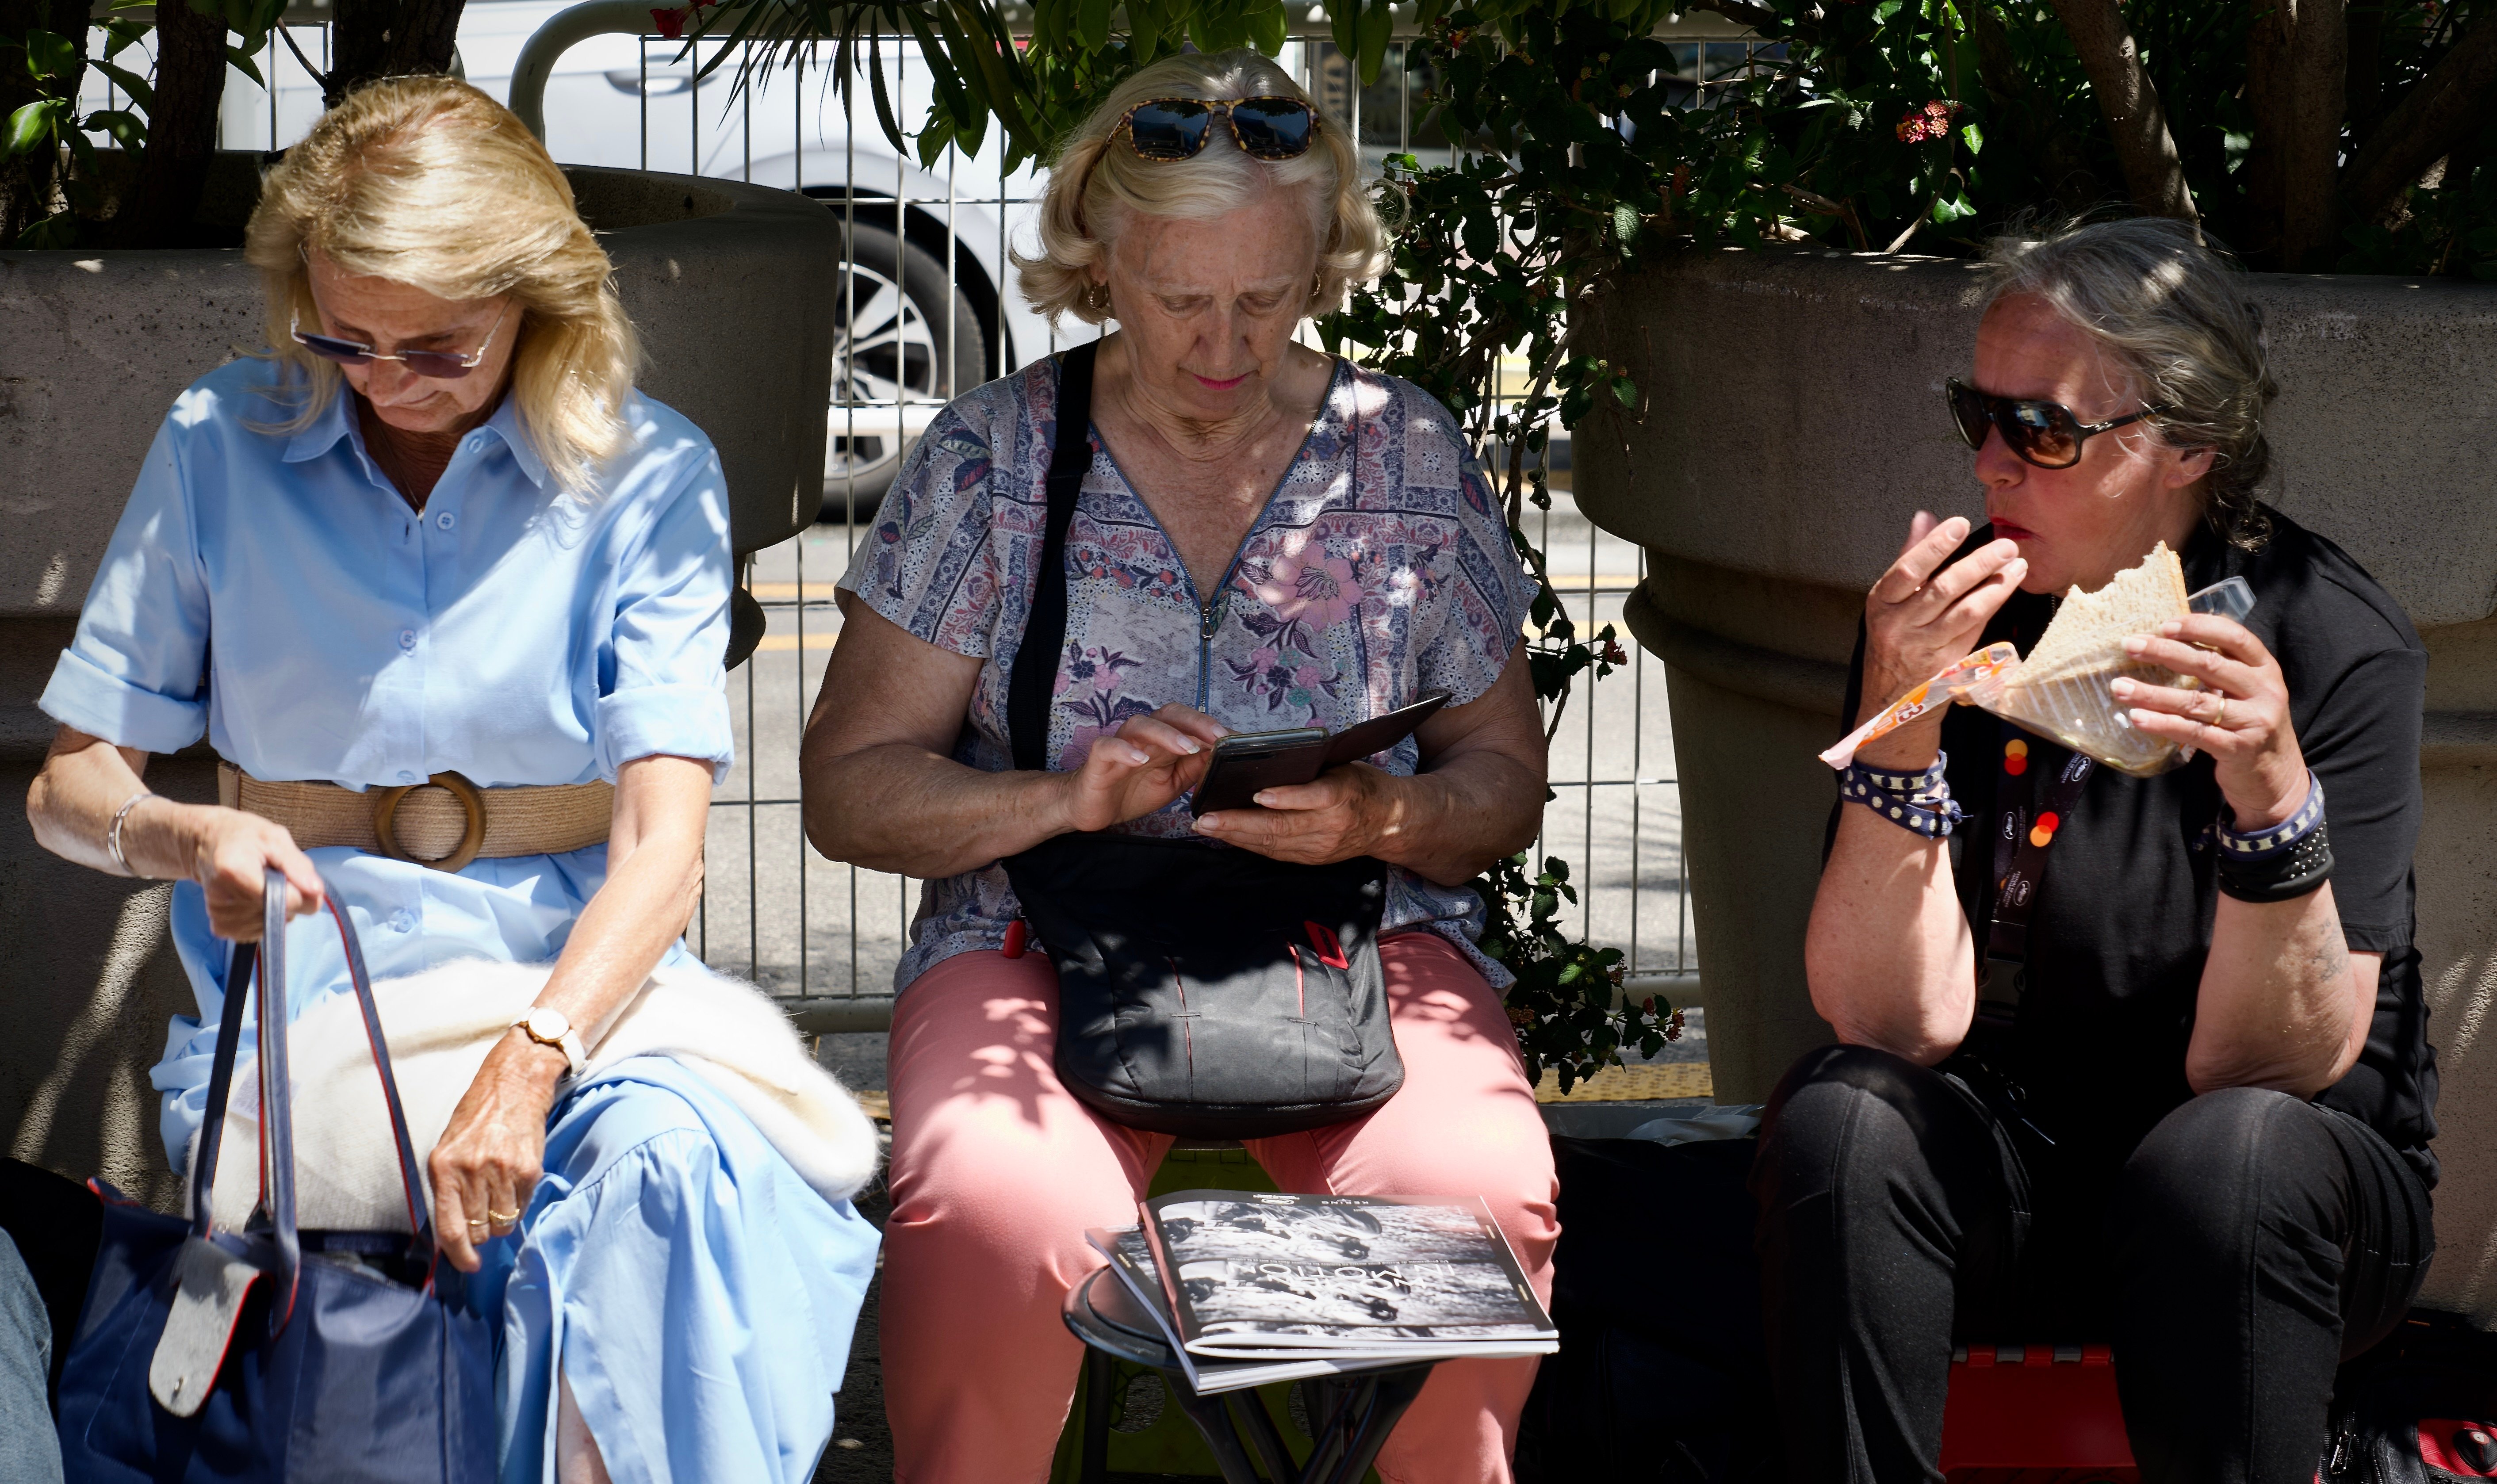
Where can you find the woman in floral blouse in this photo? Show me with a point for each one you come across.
(1268, 537)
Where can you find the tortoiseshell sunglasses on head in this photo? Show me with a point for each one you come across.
(1177, 128)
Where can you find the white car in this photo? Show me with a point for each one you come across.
(931, 310)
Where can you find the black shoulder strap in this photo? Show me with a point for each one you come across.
(1035, 663)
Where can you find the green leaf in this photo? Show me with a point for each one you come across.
(1377, 27)
(54, 232)
(49, 55)
(1625, 223)
(1092, 23)
(140, 91)
(119, 36)
(125, 128)
(32, 124)
(1269, 28)
(240, 61)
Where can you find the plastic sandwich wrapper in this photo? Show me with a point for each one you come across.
(2062, 689)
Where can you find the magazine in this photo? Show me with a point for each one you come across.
(1345, 1277)
(1131, 1263)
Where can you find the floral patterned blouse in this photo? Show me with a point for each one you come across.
(1380, 568)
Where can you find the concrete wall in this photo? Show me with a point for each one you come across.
(731, 288)
(1792, 424)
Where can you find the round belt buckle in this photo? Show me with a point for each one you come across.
(473, 803)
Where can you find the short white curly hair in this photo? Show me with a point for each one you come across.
(1096, 189)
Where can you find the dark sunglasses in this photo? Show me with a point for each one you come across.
(439, 365)
(2042, 433)
(1177, 128)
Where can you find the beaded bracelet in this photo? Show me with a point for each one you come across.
(1917, 801)
(2282, 861)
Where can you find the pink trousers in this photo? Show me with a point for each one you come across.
(997, 1172)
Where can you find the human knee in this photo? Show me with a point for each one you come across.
(1844, 1106)
(2201, 1173)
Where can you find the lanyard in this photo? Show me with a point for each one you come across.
(2036, 786)
(2034, 790)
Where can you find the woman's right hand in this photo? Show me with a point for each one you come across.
(227, 852)
(1150, 761)
(1924, 615)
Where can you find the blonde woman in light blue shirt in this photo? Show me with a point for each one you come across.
(439, 532)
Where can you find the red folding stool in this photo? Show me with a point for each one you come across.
(2035, 1414)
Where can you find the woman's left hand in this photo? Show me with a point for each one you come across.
(2240, 716)
(487, 1164)
(1347, 811)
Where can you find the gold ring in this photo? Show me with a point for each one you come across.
(472, 805)
(476, 1223)
(502, 1218)
(2221, 718)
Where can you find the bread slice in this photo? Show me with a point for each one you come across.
(2062, 689)
(2088, 632)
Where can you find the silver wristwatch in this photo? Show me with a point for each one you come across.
(550, 1027)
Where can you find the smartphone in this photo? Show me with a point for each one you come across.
(1248, 762)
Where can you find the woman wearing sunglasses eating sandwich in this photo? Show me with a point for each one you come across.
(450, 599)
(1256, 537)
(2170, 1089)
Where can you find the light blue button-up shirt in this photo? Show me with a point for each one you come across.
(276, 591)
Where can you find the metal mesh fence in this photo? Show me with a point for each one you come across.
(927, 311)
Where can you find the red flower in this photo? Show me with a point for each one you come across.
(1930, 122)
(671, 23)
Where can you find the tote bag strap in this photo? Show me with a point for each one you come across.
(1044, 632)
(276, 1104)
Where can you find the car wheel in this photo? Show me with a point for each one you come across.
(893, 363)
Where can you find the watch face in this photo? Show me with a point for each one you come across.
(547, 1024)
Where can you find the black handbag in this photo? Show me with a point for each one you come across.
(1203, 991)
(276, 1354)
(2419, 1409)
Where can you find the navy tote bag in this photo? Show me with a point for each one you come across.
(274, 1353)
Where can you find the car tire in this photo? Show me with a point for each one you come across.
(890, 349)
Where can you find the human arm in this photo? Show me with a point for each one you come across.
(488, 1158)
(1887, 952)
(2283, 1003)
(85, 780)
(1476, 797)
(882, 789)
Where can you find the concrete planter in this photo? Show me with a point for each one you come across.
(730, 287)
(1794, 423)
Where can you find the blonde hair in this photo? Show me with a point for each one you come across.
(429, 182)
(1096, 185)
(2171, 315)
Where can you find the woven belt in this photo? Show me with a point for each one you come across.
(445, 822)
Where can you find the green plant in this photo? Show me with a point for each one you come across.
(56, 191)
(1860, 124)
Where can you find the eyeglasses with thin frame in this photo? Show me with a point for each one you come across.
(1177, 128)
(2041, 432)
(436, 365)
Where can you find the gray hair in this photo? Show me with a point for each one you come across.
(1093, 189)
(2171, 315)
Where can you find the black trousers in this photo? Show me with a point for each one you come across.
(2242, 1250)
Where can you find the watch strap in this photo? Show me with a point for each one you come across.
(576, 1057)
